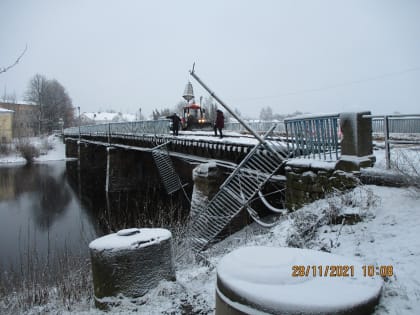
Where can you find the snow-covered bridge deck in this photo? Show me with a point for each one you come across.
(192, 145)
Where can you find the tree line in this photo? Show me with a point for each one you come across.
(54, 104)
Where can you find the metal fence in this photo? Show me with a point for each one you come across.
(134, 128)
(313, 136)
(260, 127)
(397, 124)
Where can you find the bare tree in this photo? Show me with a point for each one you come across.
(8, 97)
(266, 113)
(53, 101)
(4, 69)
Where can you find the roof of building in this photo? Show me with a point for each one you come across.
(105, 116)
(2, 110)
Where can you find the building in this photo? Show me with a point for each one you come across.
(104, 118)
(6, 125)
(25, 119)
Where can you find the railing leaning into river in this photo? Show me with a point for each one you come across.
(313, 136)
(133, 128)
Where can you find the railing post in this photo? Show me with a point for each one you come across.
(109, 133)
(387, 148)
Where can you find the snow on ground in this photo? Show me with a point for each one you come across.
(56, 153)
(388, 235)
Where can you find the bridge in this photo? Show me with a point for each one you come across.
(311, 155)
(117, 149)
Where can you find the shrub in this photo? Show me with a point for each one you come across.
(5, 147)
(27, 150)
(407, 164)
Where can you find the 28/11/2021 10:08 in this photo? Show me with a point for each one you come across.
(340, 271)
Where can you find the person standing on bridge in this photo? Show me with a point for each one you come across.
(220, 123)
(175, 123)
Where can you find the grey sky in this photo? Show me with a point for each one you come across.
(314, 56)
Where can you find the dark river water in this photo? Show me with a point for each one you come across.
(52, 208)
(40, 214)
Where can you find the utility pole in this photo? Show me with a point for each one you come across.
(78, 109)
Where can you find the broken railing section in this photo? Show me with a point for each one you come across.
(237, 192)
(241, 187)
(167, 172)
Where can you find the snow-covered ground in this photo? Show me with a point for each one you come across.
(387, 235)
(57, 152)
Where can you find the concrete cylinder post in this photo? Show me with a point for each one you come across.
(207, 180)
(129, 263)
(270, 280)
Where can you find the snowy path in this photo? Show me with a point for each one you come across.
(391, 238)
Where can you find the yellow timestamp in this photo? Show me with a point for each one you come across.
(341, 271)
(383, 271)
(323, 271)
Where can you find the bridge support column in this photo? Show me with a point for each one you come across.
(356, 145)
(72, 148)
(124, 170)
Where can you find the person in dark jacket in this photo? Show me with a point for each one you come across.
(220, 123)
(175, 123)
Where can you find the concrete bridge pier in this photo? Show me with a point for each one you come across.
(124, 169)
(72, 148)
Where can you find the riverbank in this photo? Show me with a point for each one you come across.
(51, 148)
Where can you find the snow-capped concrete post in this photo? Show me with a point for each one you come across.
(270, 280)
(129, 263)
(356, 145)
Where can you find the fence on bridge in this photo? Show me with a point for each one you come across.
(396, 124)
(407, 124)
(258, 126)
(156, 127)
(313, 136)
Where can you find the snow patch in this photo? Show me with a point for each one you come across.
(130, 239)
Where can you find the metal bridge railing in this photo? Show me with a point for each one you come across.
(134, 128)
(313, 136)
(396, 124)
(408, 124)
(260, 127)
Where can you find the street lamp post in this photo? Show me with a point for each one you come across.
(78, 109)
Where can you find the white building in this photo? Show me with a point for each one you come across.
(105, 117)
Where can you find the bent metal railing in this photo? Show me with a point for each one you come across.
(314, 137)
(154, 127)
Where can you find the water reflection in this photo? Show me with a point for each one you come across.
(39, 213)
(50, 209)
(148, 205)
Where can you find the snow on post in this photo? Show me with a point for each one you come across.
(269, 280)
(129, 263)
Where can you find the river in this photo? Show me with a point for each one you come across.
(40, 214)
(50, 210)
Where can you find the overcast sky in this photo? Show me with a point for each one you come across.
(313, 56)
